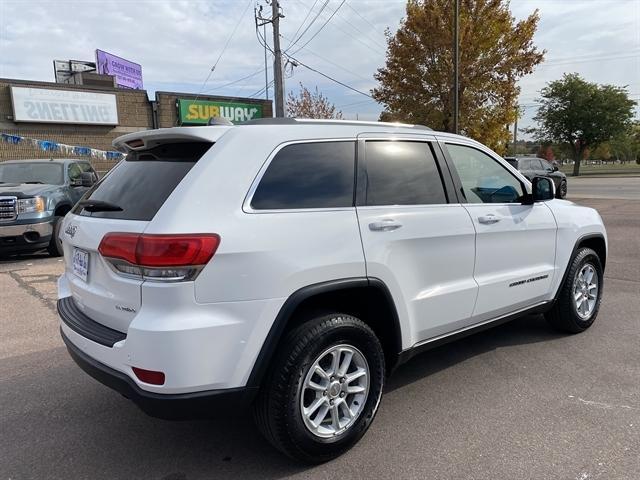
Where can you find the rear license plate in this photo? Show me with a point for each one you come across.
(80, 263)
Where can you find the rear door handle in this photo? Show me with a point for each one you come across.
(387, 225)
(489, 219)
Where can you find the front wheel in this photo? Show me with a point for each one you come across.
(323, 390)
(562, 189)
(579, 298)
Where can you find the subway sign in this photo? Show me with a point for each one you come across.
(198, 112)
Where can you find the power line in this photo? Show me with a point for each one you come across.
(364, 34)
(295, 37)
(204, 84)
(225, 46)
(298, 62)
(346, 32)
(373, 40)
(588, 60)
(235, 81)
(591, 55)
(360, 102)
(319, 30)
(262, 90)
(309, 10)
(358, 13)
(332, 62)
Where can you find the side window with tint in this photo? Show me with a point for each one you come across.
(483, 179)
(74, 172)
(401, 173)
(308, 175)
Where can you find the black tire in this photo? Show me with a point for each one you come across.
(562, 189)
(278, 411)
(55, 245)
(564, 315)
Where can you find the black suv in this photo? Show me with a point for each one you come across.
(539, 167)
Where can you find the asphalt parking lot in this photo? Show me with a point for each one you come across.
(518, 401)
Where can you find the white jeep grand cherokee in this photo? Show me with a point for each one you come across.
(293, 264)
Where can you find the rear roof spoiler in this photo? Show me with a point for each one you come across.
(146, 139)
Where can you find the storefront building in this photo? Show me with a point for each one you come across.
(87, 116)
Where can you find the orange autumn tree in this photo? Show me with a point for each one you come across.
(416, 83)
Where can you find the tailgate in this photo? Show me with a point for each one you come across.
(124, 201)
(104, 296)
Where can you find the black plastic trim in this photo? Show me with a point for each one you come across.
(409, 353)
(277, 329)
(80, 323)
(181, 406)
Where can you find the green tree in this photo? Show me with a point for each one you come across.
(582, 115)
(626, 146)
(416, 83)
(309, 104)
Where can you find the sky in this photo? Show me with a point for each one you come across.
(178, 41)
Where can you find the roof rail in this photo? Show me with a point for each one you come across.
(302, 121)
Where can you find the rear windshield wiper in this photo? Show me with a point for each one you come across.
(34, 181)
(99, 206)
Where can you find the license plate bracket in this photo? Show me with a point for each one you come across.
(80, 263)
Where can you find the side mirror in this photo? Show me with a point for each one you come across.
(555, 167)
(542, 189)
(87, 179)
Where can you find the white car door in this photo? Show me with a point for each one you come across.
(515, 242)
(417, 242)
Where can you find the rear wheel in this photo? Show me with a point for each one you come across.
(55, 244)
(579, 299)
(323, 390)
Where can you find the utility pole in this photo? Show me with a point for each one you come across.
(278, 80)
(278, 85)
(515, 133)
(456, 66)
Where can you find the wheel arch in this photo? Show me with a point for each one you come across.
(368, 299)
(594, 241)
(62, 209)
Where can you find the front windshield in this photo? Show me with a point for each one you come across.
(31, 172)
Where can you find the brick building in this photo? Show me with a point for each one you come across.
(58, 112)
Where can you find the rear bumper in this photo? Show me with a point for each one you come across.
(27, 236)
(168, 406)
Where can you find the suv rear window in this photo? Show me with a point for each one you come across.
(142, 182)
(308, 175)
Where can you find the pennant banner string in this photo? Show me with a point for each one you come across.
(51, 146)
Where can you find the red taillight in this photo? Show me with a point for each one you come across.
(149, 376)
(120, 245)
(160, 250)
